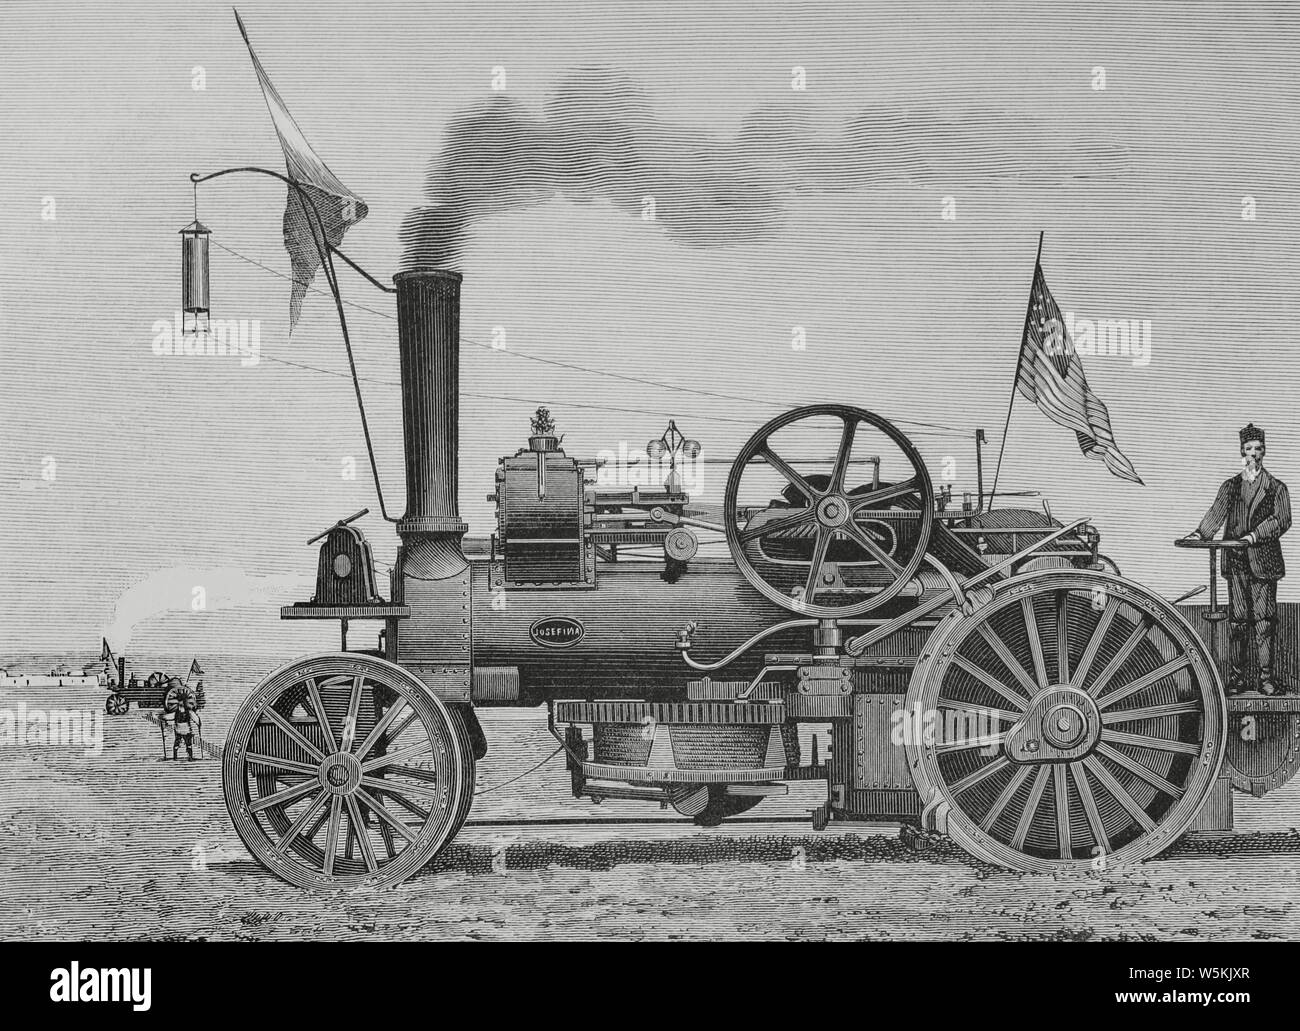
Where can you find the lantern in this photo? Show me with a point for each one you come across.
(195, 316)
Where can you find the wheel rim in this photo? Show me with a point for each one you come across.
(889, 523)
(1047, 758)
(362, 797)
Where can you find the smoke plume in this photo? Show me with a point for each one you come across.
(598, 138)
(197, 591)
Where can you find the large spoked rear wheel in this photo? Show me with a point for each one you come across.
(1074, 721)
(344, 771)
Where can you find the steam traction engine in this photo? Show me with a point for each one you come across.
(1036, 708)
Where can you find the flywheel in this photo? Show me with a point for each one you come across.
(849, 523)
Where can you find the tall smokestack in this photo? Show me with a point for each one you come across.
(428, 335)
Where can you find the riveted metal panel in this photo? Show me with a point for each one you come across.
(878, 762)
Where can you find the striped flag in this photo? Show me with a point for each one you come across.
(1051, 375)
(338, 207)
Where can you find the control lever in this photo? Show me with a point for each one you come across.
(342, 522)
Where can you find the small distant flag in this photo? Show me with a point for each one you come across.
(195, 669)
(105, 652)
(1051, 375)
(338, 207)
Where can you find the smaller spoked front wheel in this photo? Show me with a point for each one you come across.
(344, 771)
(116, 705)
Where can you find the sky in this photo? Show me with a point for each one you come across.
(130, 478)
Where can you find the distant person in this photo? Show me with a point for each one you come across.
(1254, 508)
(181, 706)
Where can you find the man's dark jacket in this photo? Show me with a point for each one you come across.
(1267, 517)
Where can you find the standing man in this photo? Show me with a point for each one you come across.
(1254, 508)
(180, 705)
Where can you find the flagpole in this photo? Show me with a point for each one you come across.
(324, 251)
(1015, 380)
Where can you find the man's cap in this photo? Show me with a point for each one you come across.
(1251, 432)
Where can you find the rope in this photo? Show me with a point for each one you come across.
(533, 769)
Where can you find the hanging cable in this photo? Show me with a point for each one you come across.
(534, 769)
(323, 250)
(938, 428)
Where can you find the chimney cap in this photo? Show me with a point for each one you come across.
(426, 272)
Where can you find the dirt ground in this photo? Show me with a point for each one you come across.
(125, 846)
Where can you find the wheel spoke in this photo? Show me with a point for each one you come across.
(412, 771)
(386, 836)
(1062, 638)
(962, 744)
(296, 827)
(401, 800)
(358, 826)
(1133, 766)
(818, 560)
(1035, 644)
(1144, 681)
(990, 681)
(320, 822)
(841, 468)
(1031, 807)
(396, 758)
(1160, 744)
(1004, 799)
(786, 470)
(399, 787)
(332, 834)
(998, 715)
(1095, 642)
(1062, 790)
(1149, 712)
(292, 732)
(771, 526)
(354, 707)
(321, 717)
(255, 758)
(400, 729)
(1108, 781)
(1121, 657)
(348, 836)
(983, 773)
(384, 721)
(1090, 807)
(281, 797)
(895, 490)
(859, 535)
(387, 818)
(1001, 650)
